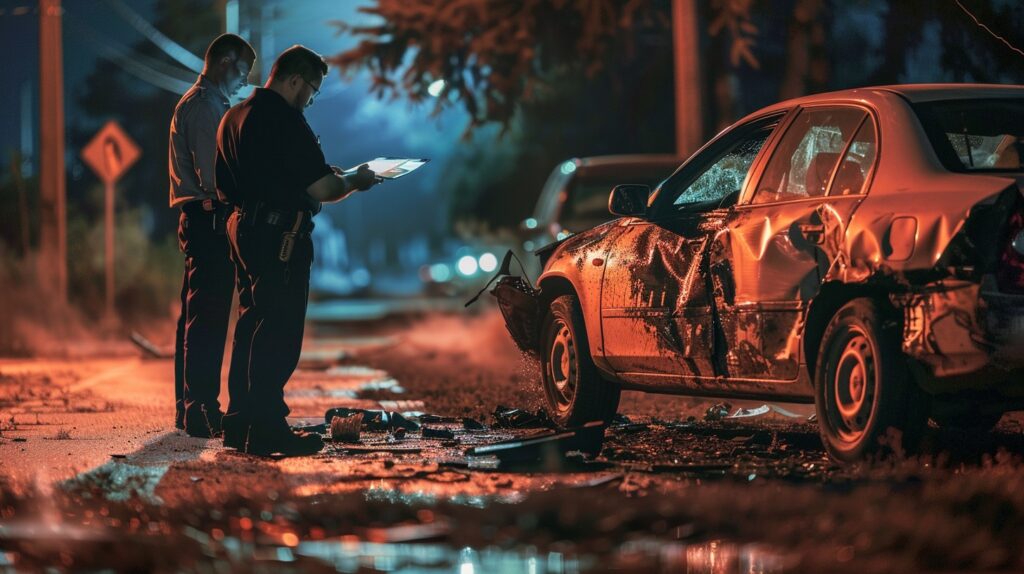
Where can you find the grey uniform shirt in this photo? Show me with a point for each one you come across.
(193, 143)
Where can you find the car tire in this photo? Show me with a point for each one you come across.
(574, 391)
(863, 387)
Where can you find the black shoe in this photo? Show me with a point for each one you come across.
(276, 439)
(202, 421)
(179, 418)
(235, 428)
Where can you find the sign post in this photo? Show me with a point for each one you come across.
(110, 153)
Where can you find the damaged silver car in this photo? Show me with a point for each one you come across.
(862, 250)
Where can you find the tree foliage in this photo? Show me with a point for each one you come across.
(492, 54)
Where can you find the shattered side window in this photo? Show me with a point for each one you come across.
(727, 174)
(976, 135)
(805, 157)
(853, 171)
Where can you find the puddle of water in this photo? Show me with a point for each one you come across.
(119, 481)
(351, 554)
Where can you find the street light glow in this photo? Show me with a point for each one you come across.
(436, 87)
(488, 262)
(467, 265)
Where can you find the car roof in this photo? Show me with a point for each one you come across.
(657, 165)
(629, 159)
(914, 93)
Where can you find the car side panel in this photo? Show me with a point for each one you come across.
(574, 261)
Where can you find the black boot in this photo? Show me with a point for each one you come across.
(276, 438)
(235, 429)
(202, 421)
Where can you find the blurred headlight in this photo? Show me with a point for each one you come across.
(439, 273)
(467, 265)
(488, 262)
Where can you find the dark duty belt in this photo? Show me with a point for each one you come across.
(216, 211)
(298, 223)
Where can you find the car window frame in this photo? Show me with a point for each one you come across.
(746, 199)
(869, 176)
(659, 206)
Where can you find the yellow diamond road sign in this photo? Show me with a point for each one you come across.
(111, 152)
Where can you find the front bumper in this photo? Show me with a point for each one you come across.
(520, 305)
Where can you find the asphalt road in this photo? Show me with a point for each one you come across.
(88, 458)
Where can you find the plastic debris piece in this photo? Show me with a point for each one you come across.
(382, 448)
(374, 420)
(701, 467)
(346, 429)
(511, 418)
(717, 412)
(436, 432)
(762, 411)
(472, 424)
(149, 349)
(466, 422)
(548, 450)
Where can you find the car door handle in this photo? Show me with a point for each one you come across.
(813, 232)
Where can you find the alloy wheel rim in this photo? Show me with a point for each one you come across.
(562, 366)
(853, 387)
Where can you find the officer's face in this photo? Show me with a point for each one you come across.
(237, 75)
(309, 91)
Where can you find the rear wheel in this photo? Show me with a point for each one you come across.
(863, 389)
(574, 391)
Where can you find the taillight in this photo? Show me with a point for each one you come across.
(1010, 273)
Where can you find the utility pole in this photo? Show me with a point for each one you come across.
(686, 50)
(53, 254)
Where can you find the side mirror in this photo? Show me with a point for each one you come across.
(629, 200)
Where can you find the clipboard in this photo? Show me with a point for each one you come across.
(392, 167)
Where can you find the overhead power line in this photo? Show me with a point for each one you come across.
(136, 64)
(173, 49)
(989, 30)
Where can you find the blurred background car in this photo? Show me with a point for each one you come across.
(575, 196)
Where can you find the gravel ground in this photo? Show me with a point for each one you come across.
(669, 491)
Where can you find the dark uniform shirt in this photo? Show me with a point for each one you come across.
(266, 152)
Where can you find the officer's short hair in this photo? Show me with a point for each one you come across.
(299, 60)
(227, 44)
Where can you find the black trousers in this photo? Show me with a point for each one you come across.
(272, 297)
(206, 291)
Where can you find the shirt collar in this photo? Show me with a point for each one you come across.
(207, 83)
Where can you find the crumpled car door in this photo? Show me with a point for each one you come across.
(769, 260)
(655, 306)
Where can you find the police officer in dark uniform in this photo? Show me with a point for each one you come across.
(271, 168)
(209, 278)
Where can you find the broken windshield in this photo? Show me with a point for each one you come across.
(976, 135)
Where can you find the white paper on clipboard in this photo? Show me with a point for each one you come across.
(392, 167)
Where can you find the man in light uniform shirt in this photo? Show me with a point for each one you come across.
(209, 279)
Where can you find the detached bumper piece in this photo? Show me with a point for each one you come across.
(520, 305)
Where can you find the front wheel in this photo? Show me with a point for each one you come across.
(866, 400)
(574, 391)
